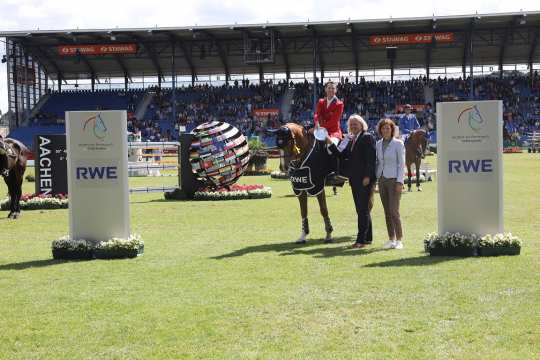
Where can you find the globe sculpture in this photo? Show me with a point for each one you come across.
(219, 154)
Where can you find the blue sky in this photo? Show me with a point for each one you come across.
(64, 14)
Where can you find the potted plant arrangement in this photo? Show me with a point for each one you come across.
(80, 249)
(117, 248)
(451, 244)
(258, 156)
(457, 244)
(67, 249)
(499, 244)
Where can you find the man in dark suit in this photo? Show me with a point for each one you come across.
(359, 153)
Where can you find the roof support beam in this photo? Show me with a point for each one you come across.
(117, 58)
(42, 54)
(81, 57)
(150, 50)
(221, 52)
(122, 66)
(318, 60)
(532, 50)
(354, 47)
(507, 33)
(284, 54)
(261, 73)
(429, 47)
(467, 48)
(187, 55)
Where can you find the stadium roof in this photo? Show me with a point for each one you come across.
(505, 38)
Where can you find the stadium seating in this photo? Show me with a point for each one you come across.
(234, 104)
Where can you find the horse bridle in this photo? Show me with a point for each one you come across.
(284, 136)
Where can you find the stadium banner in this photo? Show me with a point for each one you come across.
(89, 49)
(97, 174)
(50, 164)
(408, 39)
(469, 167)
(266, 112)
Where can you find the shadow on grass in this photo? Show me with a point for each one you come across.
(280, 247)
(329, 252)
(33, 264)
(414, 261)
(160, 201)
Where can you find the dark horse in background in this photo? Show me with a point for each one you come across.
(295, 142)
(415, 150)
(13, 157)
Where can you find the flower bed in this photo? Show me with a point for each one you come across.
(67, 249)
(115, 248)
(38, 202)
(120, 248)
(499, 244)
(235, 192)
(457, 244)
(451, 244)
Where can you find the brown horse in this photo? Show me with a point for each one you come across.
(295, 144)
(415, 149)
(13, 157)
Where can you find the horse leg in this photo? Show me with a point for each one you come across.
(18, 179)
(302, 199)
(417, 164)
(409, 177)
(11, 189)
(324, 212)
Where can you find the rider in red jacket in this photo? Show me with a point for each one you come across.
(328, 115)
(329, 111)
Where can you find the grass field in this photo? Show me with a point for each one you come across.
(224, 280)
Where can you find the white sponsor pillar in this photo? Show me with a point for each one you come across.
(97, 174)
(469, 167)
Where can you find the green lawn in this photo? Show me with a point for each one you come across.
(224, 280)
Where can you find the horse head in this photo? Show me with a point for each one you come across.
(286, 144)
(419, 140)
(294, 142)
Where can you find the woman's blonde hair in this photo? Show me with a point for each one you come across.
(359, 119)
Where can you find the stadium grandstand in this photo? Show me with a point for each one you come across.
(260, 75)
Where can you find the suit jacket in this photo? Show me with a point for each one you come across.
(329, 117)
(359, 158)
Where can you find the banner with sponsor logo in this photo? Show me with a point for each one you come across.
(89, 49)
(265, 112)
(97, 174)
(310, 175)
(410, 39)
(51, 164)
(469, 167)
